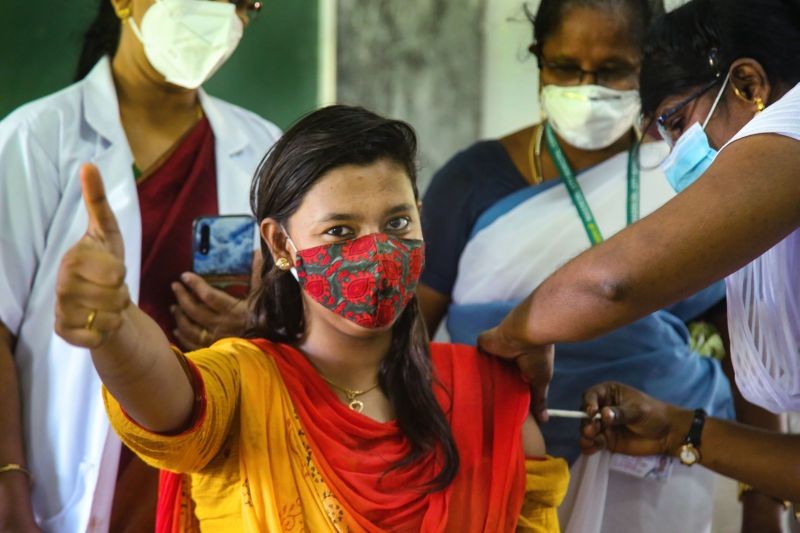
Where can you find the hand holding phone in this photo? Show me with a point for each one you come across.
(211, 300)
(223, 252)
(205, 314)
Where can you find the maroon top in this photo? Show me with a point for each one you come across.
(183, 188)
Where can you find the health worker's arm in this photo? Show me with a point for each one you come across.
(634, 423)
(743, 205)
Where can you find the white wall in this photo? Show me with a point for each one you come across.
(418, 60)
(510, 97)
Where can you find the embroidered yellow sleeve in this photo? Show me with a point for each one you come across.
(191, 450)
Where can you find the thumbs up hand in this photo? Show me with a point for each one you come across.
(91, 294)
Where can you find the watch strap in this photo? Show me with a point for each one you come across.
(696, 429)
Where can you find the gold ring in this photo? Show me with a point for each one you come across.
(204, 337)
(90, 319)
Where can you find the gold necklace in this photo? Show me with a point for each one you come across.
(534, 154)
(352, 395)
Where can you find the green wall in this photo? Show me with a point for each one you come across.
(274, 71)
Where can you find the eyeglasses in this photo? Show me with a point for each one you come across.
(668, 132)
(570, 74)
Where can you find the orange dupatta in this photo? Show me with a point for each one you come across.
(273, 449)
(485, 402)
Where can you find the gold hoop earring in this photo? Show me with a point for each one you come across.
(759, 104)
(283, 264)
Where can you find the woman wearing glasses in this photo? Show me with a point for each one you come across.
(169, 153)
(500, 217)
(719, 75)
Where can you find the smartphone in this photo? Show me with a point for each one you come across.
(222, 251)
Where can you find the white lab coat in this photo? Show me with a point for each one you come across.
(42, 145)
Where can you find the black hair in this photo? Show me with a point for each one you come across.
(699, 41)
(100, 39)
(322, 141)
(550, 15)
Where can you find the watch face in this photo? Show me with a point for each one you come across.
(688, 454)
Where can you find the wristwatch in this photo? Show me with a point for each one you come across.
(689, 452)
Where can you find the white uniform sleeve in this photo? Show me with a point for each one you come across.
(780, 118)
(29, 196)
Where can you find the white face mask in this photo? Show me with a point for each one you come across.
(590, 117)
(188, 40)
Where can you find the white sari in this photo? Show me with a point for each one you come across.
(514, 246)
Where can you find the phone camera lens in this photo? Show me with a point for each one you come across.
(205, 239)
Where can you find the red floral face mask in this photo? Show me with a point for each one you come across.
(368, 280)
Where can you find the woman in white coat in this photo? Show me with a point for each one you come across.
(168, 153)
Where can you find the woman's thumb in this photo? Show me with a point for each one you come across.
(102, 222)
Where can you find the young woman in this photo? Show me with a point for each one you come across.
(170, 153)
(337, 415)
(502, 215)
(718, 75)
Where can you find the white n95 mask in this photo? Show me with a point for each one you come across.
(187, 41)
(590, 117)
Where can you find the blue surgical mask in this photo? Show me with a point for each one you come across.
(692, 154)
(689, 159)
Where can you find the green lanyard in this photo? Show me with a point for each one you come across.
(576, 194)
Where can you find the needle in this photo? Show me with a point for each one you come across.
(562, 413)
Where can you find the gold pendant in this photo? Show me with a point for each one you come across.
(356, 405)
